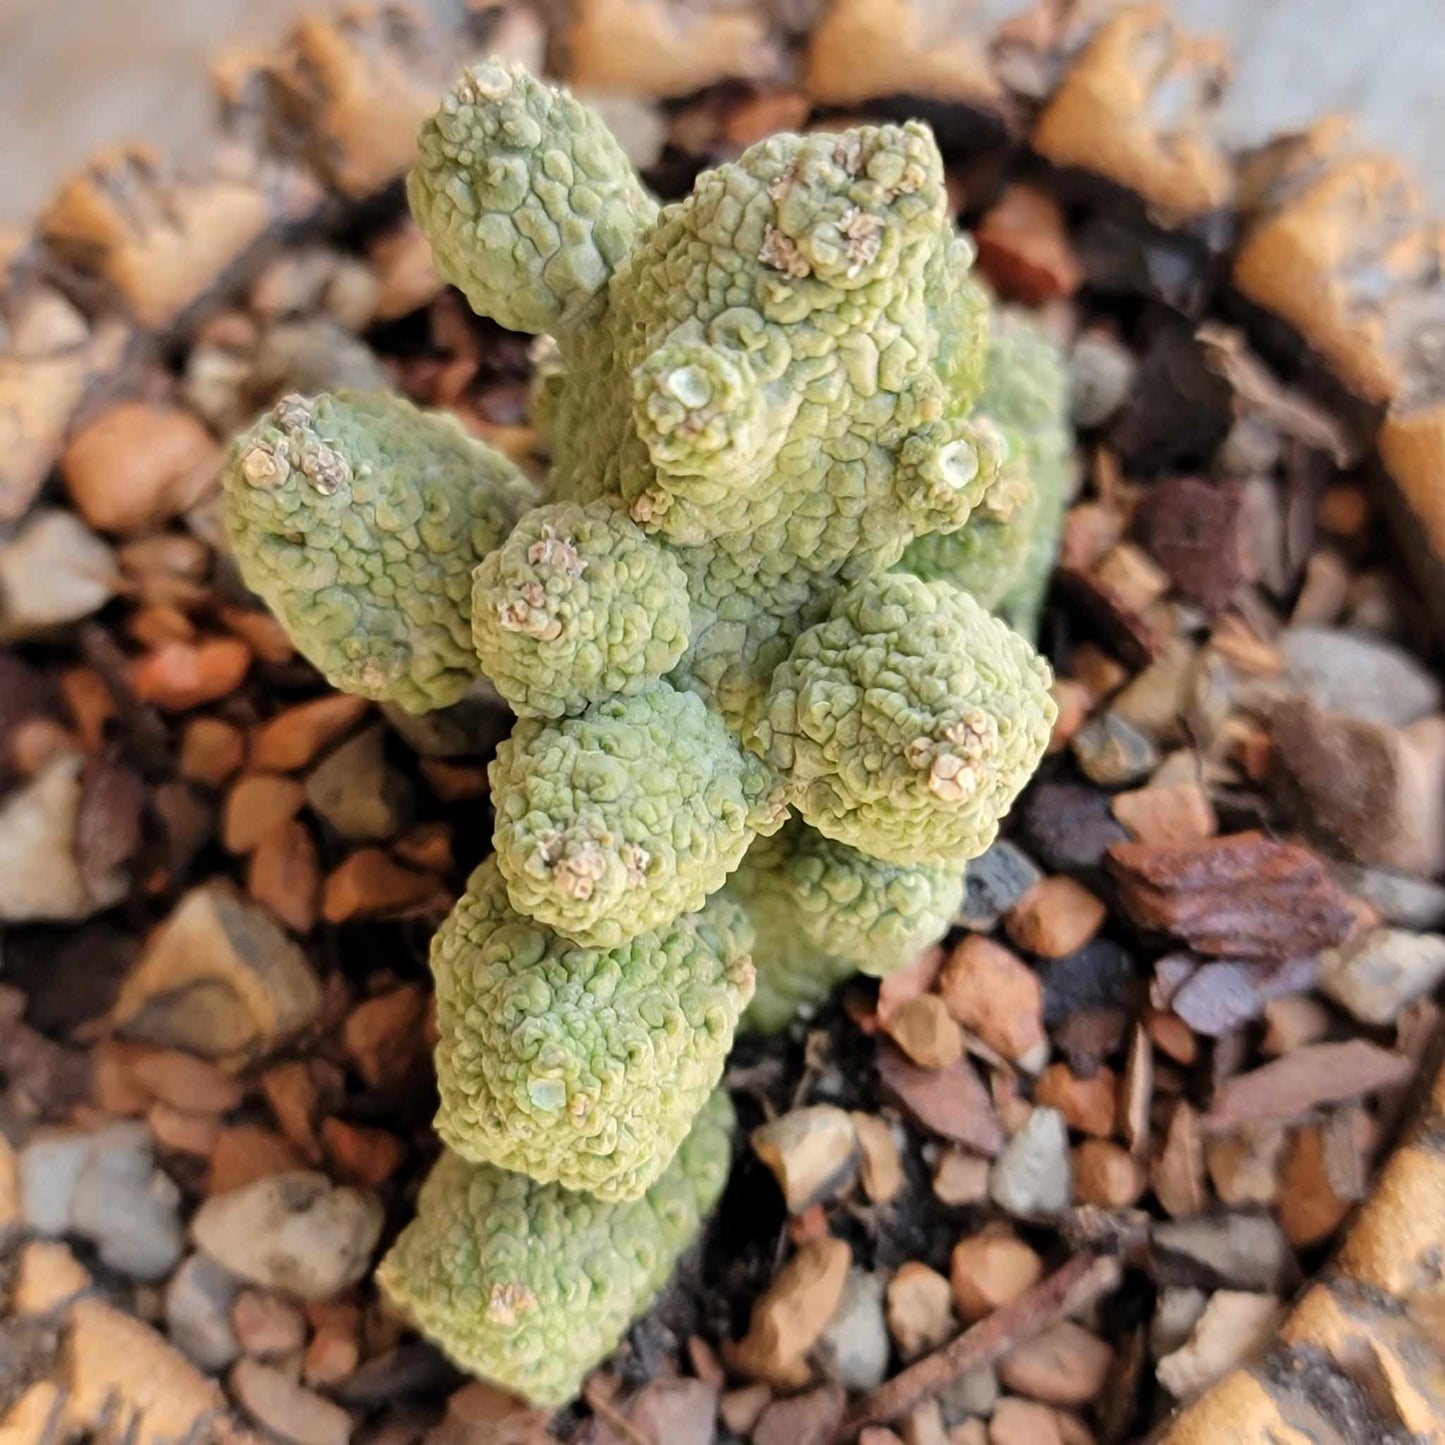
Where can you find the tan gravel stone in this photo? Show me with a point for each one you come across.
(1055, 917)
(1107, 1175)
(989, 1269)
(996, 995)
(924, 1029)
(49, 1277)
(919, 1309)
(289, 1410)
(788, 1318)
(1065, 1365)
(1088, 1105)
(813, 1153)
(880, 1164)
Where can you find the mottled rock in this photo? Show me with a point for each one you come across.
(219, 978)
(1098, 976)
(1372, 792)
(355, 792)
(1112, 752)
(293, 1232)
(1068, 826)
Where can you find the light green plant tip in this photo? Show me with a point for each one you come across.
(359, 519)
(531, 1285)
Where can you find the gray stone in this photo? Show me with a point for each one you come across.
(994, 883)
(1404, 901)
(1376, 975)
(1113, 752)
(102, 1184)
(1032, 1176)
(50, 1165)
(1101, 371)
(294, 1232)
(198, 1302)
(127, 1208)
(1358, 675)
(53, 572)
(853, 1348)
(357, 794)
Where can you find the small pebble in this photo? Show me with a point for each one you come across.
(924, 1029)
(1064, 1365)
(994, 883)
(1232, 1328)
(293, 1232)
(813, 1154)
(920, 1309)
(1101, 372)
(996, 995)
(1032, 1176)
(278, 1403)
(197, 1304)
(1113, 753)
(1377, 975)
(989, 1269)
(853, 1348)
(1056, 917)
(53, 572)
(1107, 1175)
(1088, 1105)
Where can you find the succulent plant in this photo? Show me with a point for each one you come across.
(758, 401)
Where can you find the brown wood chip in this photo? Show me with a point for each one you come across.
(1243, 896)
(1310, 1077)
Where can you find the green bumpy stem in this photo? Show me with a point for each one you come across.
(528, 201)
(614, 822)
(531, 1285)
(823, 911)
(577, 606)
(908, 722)
(576, 1065)
(359, 519)
(1004, 555)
